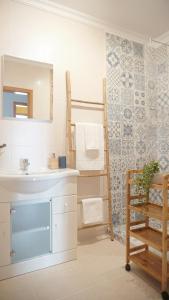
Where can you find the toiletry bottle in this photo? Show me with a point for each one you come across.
(53, 163)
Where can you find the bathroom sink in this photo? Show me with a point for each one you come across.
(33, 182)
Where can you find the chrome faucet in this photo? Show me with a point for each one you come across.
(3, 146)
(25, 164)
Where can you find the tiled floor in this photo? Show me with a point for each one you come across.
(98, 274)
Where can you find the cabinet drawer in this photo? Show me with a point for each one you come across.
(64, 204)
(64, 232)
(4, 212)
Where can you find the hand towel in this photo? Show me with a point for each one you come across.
(92, 210)
(93, 136)
(89, 159)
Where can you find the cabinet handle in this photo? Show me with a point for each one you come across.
(12, 211)
(12, 253)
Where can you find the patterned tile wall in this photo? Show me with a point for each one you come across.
(138, 96)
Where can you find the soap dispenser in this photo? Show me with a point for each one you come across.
(53, 163)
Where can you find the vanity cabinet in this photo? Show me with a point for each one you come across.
(38, 230)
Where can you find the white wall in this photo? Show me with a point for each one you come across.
(34, 34)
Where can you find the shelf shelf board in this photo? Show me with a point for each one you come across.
(32, 230)
(158, 186)
(149, 236)
(150, 263)
(149, 210)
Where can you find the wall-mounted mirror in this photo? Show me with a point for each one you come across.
(27, 89)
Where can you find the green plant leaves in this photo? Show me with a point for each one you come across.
(143, 181)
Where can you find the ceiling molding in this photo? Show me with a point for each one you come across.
(164, 37)
(63, 11)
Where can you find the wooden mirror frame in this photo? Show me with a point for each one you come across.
(12, 89)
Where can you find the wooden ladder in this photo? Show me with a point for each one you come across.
(71, 152)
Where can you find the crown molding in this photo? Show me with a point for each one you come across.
(164, 38)
(63, 11)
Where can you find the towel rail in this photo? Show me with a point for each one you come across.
(88, 102)
(92, 105)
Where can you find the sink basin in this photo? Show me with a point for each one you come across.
(33, 182)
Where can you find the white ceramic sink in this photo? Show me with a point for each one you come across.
(33, 182)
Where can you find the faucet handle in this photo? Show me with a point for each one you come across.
(3, 146)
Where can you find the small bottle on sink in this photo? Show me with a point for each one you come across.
(53, 162)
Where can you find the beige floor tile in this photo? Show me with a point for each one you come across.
(98, 274)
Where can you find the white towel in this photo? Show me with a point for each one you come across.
(89, 159)
(93, 135)
(92, 210)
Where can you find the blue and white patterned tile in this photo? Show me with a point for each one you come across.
(114, 130)
(127, 147)
(164, 163)
(127, 96)
(162, 68)
(163, 146)
(138, 65)
(115, 165)
(113, 95)
(140, 114)
(113, 59)
(126, 63)
(127, 162)
(141, 161)
(114, 77)
(139, 82)
(126, 46)
(140, 147)
(163, 100)
(114, 112)
(140, 131)
(138, 50)
(139, 98)
(127, 130)
(127, 113)
(113, 41)
(116, 182)
(115, 146)
(127, 80)
(163, 131)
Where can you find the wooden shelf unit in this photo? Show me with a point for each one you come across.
(155, 265)
(71, 153)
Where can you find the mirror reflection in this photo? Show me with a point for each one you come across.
(27, 89)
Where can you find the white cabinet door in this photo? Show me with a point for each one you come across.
(64, 231)
(5, 258)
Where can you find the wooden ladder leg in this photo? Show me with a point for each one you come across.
(128, 220)
(107, 161)
(147, 218)
(164, 236)
(69, 115)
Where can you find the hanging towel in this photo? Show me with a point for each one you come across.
(92, 210)
(89, 159)
(93, 136)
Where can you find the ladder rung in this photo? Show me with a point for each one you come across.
(73, 124)
(87, 107)
(74, 150)
(88, 102)
(94, 225)
(93, 175)
(80, 201)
